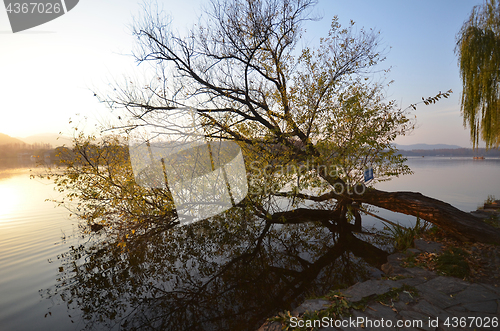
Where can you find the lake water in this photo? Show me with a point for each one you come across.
(31, 237)
(216, 275)
(463, 182)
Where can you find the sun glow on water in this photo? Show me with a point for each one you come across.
(10, 197)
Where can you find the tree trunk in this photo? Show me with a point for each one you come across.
(462, 225)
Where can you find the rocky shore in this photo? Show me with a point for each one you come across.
(406, 297)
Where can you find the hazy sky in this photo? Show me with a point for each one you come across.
(47, 73)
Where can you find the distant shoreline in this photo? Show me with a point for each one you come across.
(456, 152)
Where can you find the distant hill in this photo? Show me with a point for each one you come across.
(5, 139)
(48, 138)
(425, 147)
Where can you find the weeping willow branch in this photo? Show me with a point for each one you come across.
(478, 50)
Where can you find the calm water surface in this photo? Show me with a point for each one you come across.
(33, 234)
(463, 182)
(31, 237)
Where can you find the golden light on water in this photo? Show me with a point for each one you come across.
(10, 200)
(11, 193)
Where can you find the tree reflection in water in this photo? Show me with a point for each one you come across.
(229, 273)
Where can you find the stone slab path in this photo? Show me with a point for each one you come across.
(442, 303)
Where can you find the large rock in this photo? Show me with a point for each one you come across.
(371, 287)
(428, 246)
(311, 305)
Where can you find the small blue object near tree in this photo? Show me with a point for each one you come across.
(368, 174)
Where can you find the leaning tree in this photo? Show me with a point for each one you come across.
(309, 121)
